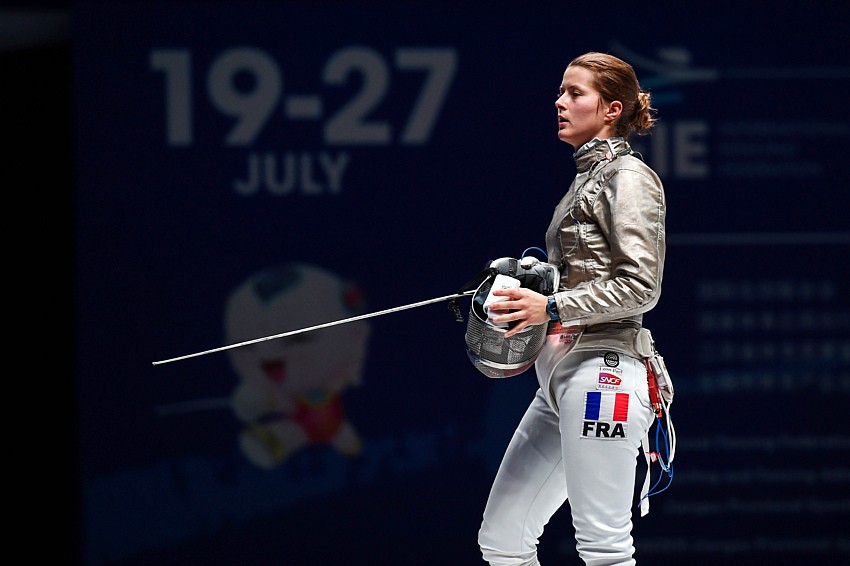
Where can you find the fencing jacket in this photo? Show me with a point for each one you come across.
(607, 238)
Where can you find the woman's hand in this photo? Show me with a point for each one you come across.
(529, 308)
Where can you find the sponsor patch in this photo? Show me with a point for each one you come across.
(611, 359)
(609, 378)
(606, 415)
(568, 337)
(566, 334)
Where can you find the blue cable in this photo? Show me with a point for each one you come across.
(545, 255)
(666, 468)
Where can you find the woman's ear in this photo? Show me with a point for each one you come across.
(613, 112)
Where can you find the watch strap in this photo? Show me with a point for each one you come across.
(552, 308)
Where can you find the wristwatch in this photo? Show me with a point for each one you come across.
(552, 308)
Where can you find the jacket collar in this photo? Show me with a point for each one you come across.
(597, 150)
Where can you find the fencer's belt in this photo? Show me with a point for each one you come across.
(555, 327)
(608, 326)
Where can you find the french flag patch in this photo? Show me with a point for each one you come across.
(606, 406)
(606, 415)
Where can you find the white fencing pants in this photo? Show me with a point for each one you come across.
(578, 439)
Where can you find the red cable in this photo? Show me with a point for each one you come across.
(653, 389)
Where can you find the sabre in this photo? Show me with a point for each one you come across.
(318, 327)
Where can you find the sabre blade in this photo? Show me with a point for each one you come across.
(316, 327)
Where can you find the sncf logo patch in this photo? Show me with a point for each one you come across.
(606, 415)
(609, 378)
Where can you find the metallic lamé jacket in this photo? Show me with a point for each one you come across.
(607, 238)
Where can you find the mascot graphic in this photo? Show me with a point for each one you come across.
(289, 390)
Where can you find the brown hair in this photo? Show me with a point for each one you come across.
(616, 80)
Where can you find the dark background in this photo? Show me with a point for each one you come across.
(753, 320)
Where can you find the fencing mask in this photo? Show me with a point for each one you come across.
(488, 349)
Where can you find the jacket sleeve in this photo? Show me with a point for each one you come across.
(629, 213)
